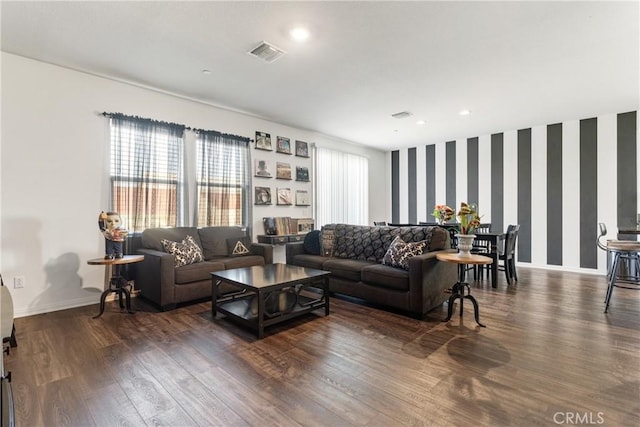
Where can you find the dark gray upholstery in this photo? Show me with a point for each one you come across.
(166, 285)
(354, 261)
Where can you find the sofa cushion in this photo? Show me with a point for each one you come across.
(309, 261)
(346, 268)
(213, 240)
(239, 246)
(400, 251)
(196, 272)
(152, 237)
(312, 243)
(362, 242)
(185, 252)
(385, 276)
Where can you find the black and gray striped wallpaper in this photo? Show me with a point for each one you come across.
(557, 181)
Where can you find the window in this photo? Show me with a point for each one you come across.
(146, 172)
(222, 179)
(342, 188)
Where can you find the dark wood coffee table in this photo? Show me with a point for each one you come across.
(269, 294)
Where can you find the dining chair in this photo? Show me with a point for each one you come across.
(625, 264)
(508, 253)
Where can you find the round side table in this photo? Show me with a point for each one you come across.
(457, 291)
(117, 284)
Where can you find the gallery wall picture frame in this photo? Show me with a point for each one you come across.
(283, 170)
(262, 169)
(263, 141)
(302, 173)
(284, 145)
(302, 149)
(284, 196)
(302, 198)
(262, 196)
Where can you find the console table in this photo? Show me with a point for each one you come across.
(280, 239)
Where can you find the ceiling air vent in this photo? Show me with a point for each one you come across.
(267, 52)
(401, 115)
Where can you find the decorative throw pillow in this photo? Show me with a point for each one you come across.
(185, 252)
(400, 252)
(327, 238)
(312, 243)
(239, 246)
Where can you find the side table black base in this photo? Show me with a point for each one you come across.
(458, 293)
(119, 286)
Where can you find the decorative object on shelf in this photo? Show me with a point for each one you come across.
(302, 173)
(465, 243)
(283, 145)
(262, 170)
(262, 195)
(283, 170)
(305, 225)
(302, 149)
(284, 196)
(302, 198)
(270, 226)
(442, 213)
(263, 141)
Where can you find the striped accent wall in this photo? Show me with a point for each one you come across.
(557, 181)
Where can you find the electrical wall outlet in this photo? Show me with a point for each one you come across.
(18, 282)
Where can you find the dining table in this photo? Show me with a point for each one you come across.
(493, 240)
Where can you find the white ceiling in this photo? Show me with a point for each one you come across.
(514, 64)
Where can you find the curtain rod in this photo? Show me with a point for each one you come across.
(177, 124)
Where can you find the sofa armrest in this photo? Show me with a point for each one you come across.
(156, 277)
(263, 249)
(293, 249)
(428, 280)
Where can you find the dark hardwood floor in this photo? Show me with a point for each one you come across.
(548, 356)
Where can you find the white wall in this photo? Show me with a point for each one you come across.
(54, 173)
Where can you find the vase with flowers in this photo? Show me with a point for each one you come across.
(468, 220)
(442, 213)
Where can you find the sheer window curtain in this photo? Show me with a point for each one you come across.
(147, 172)
(222, 180)
(342, 188)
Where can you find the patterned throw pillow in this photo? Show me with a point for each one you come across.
(400, 251)
(327, 239)
(239, 246)
(185, 252)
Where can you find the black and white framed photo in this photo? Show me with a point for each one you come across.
(302, 149)
(283, 170)
(302, 198)
(284, 196)
(262, 196)
(263, 141)
(302, 173)
(262, 169)
(284, 145)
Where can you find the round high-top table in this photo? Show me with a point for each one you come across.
(457, 291)
(117, 284)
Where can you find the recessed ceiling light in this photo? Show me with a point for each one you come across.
(299, 34)
(206, 72)
(420, 122)
(465, 112)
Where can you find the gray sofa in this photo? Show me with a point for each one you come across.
(353, 254)
(165, 285)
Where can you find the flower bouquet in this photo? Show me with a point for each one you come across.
(468, 218)
(443, 213)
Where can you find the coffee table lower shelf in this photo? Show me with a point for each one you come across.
(271, 294)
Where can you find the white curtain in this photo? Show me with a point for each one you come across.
(342, 188)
